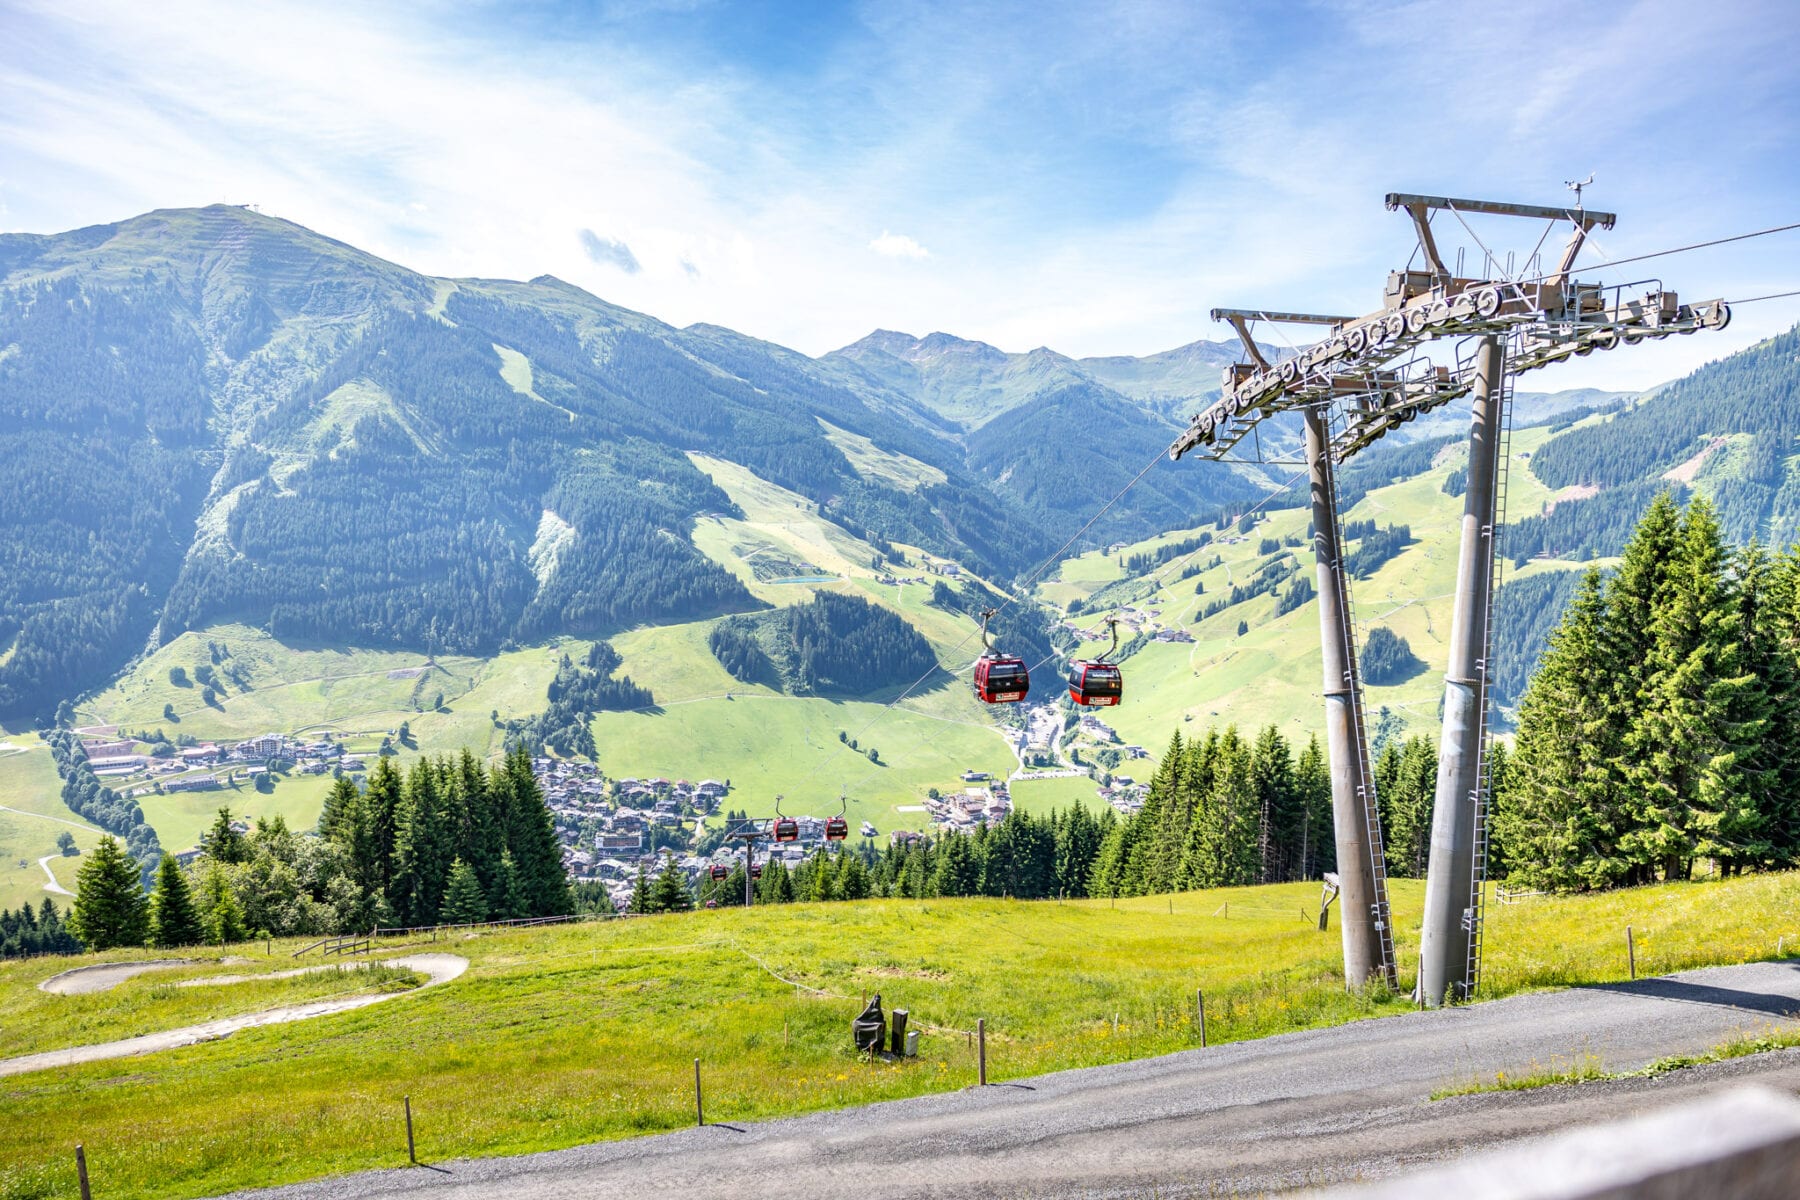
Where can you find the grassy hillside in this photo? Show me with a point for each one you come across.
(34, 815)
(1270, 674)
(707, 724)
(561, 1036)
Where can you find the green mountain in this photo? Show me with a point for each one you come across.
(213, 415)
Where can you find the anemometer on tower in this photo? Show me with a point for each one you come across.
(1367, 376)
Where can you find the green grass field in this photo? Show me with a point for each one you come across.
(30, 789)
(566, 1035)
(1040, 797)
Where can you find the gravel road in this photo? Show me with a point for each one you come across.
(439, 968)
(1301, 1109)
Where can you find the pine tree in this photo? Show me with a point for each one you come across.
(1318, 840)
(222, 843)
(464, 903)
(1560, 814)
(823, 884)
(334, 818)
(1078, 838)
(670, 893)
(381, 804)
(853, 878)
(421, 864)
(110, 908)
(1272, 776)
(221, 915)
(640, 892)
(174, 921)
(1684, 752)
(537, 851)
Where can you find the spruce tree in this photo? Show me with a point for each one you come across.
(1272, 775)
(464, 903)
(110, 908)
(174, 921)
(640, 892)
(537, 850)
(853, 878)
(334, 818)
(1684, 752)
(222, 843)
(1318, 838)
(421, 862)
(221, 916)
(1561, 815)
(381, 802)
(670, 894)
(823, 884)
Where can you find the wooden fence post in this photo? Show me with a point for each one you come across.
(411, 1156)
(81, 1171)
(1200, 1011)
(981, 1049)
(699, 1113)
(1631, 951)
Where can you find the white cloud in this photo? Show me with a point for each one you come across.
(898, 245)
(1071, 202)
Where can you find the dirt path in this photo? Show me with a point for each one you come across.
(438, 968)
(53, 887)
(84, 981)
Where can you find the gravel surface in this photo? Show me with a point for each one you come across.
(439, 968)
(1285, 1112)
(104, 977)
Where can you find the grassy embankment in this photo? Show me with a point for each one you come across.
(566, 1035)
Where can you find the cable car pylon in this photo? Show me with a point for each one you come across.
(1357, 384)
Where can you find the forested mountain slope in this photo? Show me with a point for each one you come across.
(1728, 430)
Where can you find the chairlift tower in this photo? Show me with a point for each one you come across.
(1361, 381)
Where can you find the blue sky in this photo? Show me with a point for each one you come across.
(1091, 177)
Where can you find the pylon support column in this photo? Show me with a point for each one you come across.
(1360, 865)
(1444, 938)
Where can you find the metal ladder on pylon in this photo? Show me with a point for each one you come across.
(1484, 776)
(1365, 785)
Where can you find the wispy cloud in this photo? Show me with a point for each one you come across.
(1079, 182)
(609, 252)
(898, 245)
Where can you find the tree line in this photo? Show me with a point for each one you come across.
(1662, 727)
(445, 842)
(83, 792)
(36, 931)
(1222, 811)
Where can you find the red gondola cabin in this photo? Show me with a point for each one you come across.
(756, 870)
(1001, 680)
(787, 830)
(718, 872)
(836, 829)
(1095, 684)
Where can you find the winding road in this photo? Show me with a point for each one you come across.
(437, 968)
(1284, 1112)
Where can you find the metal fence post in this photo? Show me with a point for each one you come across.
(1631, 951)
